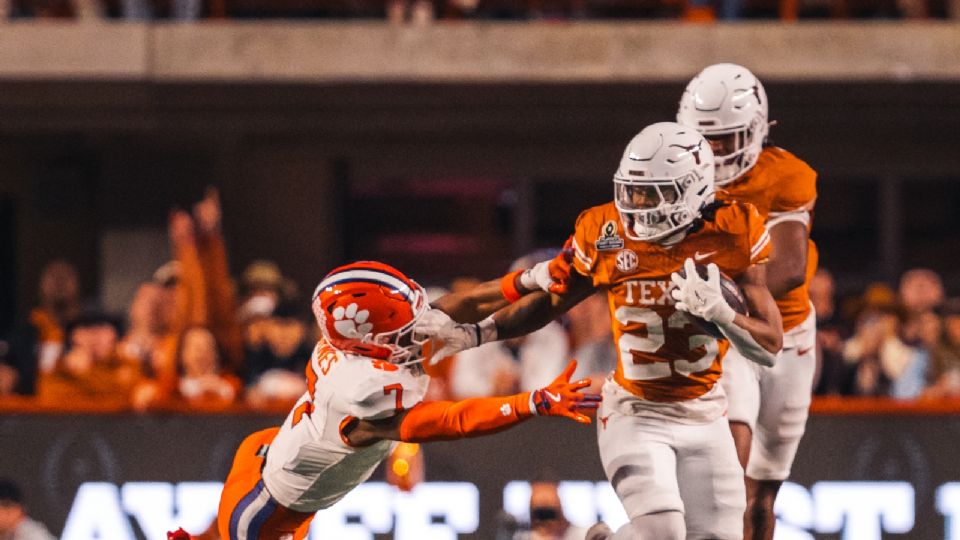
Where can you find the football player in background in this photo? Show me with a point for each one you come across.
(664, 441)
(365, 390)
(767, 405)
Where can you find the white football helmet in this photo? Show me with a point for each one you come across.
(665, 178)
(728, 105)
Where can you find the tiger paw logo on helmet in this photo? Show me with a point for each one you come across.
(352, 321)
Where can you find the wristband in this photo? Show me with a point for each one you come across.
(508, 286)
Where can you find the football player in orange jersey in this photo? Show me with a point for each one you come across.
(664, 441)
(365, 391)
(767, 406)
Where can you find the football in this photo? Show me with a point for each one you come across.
(731, 293)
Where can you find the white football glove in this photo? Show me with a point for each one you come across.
(537, 277)
(449, 337)
(702, 298)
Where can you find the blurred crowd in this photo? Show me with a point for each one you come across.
(902, 343)
(420, 12)
(193, 335)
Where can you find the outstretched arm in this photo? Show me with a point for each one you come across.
(447, 420)
(472, 305)
(483, 300)
(535, 310)
(532, 312)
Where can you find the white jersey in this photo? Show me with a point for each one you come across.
(309, 465)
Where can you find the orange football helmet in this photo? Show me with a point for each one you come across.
(369, 308)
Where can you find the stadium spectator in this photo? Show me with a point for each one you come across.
(921, 290)
(15, 524)
(488, 370)
(545, 352)
(202, 379)
(945, 359)
(59, 306)
(199, 294)
(220, 295)
(274, 370)
(591, 340)
(547, 521)
(263, 286)
(145, 319)
(879, 362)
(93, 367)
(830, 364)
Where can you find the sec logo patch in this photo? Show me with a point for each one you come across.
(627, 260)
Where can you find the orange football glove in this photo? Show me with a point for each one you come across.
(560, 268)
(562, 398)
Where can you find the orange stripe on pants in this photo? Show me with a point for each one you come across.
(243, 477)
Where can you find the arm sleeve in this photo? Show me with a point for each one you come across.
(758, 236)
(221, 301)
(584, 249)
(796, 191)
(448, 420)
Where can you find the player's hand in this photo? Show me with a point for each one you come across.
(551, 276)
(701, 298)
(180, 228)
(538, 277)
(563, 398)
(449, 337)
(560, 268)
(207, 213)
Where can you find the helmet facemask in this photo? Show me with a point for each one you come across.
(654, 208)
(736, 150)
(404, 346)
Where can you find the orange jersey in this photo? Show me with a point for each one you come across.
(782, 187)
(662, 356)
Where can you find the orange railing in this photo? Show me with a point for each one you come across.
(824, 406)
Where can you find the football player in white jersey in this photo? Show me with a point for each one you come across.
(365, 391)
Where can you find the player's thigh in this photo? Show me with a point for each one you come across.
(640, 463)
(243, 484)
(785, 393)
(741, 384)
(711, 482)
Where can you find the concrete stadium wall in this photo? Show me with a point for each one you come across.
(492, 52)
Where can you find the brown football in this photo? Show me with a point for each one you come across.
(731, 293)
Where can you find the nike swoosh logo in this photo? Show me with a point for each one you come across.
(802, 352)
(555, 397)
(701, 256)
